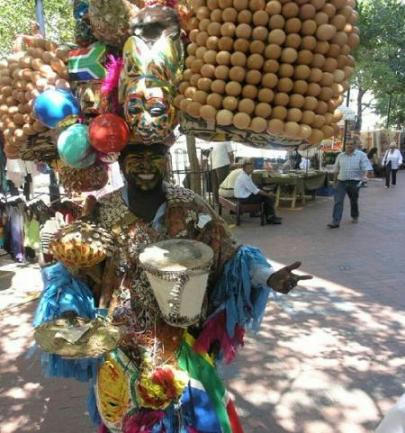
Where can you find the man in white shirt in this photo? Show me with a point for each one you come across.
(227, 187)
(247, 192)
(351, 167)
(221, 160)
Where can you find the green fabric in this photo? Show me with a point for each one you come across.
(31, 234)
(199, 368)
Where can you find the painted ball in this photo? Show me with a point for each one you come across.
(74, 147)
(108, 133)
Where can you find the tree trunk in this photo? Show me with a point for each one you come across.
(195, 181)
(359, 120)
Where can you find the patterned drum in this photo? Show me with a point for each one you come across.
(178, 270)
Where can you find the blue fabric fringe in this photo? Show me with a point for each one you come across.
(244, 304)
(62, 293)
(92, 404)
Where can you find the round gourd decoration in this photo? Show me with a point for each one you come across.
(108, 133)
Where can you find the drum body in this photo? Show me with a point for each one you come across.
(178, 270)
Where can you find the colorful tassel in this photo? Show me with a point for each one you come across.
(215, 330)
(142, 422)
(103, 429)
(111, 81)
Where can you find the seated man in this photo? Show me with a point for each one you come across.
(247, 192)
(226, 189)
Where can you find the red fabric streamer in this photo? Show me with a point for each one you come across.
(215, 330)
(142, 422)
(102, 429)
(233, 417)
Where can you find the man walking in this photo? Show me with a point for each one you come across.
(247, 192)
(350, 168)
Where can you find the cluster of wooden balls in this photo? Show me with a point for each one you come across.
(23, 76)
(279, 66)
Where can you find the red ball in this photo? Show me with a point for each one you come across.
(108, 133)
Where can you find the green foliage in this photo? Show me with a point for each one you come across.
(17, 16)
(381, 55)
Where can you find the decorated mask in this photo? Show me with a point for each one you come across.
(153, 61)
(144, 167)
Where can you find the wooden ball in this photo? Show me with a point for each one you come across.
(308, 27)
(290, 10)
(238, 59)
(237, 73)
(300, 87)
(249, 91)
(194, 79)
(189, 92)
(224, 117)
(216, 16)
(255, 61)
(292, 129)
(281, 99)
(330, 65)
(285, 85)
(200, 51)
(265, 95)
(308, 117)
(212, 4)
(196, 65)
(245, 17)
(212, 43)
(273, 7)
(272, 51)
(228, 29)
(258, 125)
(225, 43)
(193, 109)
(305, 131)
(292, 25)
(310, 103)
(302, 72)
(246, 106)
(329, 10)
(204, 84)
(221, 72)
(214, 100)
(214, 29)
(318, 4)
(208, 71)
(325, 32)
(243, 31)
(260, 33)
(289, 55)
(230, 103)
(314, 89)
(321, 108)
(322, 47)
(241, 120)
(285, 70)
(339, 22)
(257, 47)
(321, 18)
(276, 22)
(277, 37)
(202, 12)
(223, 58)
(315, 76)
(294, 115)
(269, 80)
(328, 131)
(319, 121)
(240, 4)
(191, 48)
(229, 15)
(263, 110)
(233, 88)
(241, 45)
(316, 136)
(186, 75)
(308, 43)
(260, 18)
(218, 86)
(326, 94)
(293, 40)
(271, 66)
(223, 4)
(307, 11)
(305, 57)
(327, 79)
(318, 60)
(276, 126)
(253, 77)
(188, 62)
(210, 57)
(184, 104)
(296, 100)
(201, 38)
(279, 112)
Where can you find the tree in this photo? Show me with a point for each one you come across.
(381, 56)
(17, 16)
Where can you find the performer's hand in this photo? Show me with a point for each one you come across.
(284, 280)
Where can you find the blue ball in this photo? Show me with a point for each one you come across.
(56, 108)
(74, 147)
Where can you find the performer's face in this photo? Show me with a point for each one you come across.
(144, 167)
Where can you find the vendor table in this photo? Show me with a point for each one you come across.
(298, 182)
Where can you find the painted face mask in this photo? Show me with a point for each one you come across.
(144, 167)
(151, 71)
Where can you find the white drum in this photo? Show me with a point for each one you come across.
(178, 270)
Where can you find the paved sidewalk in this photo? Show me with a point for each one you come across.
(335, 364)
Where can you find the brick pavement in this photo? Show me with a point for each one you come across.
(330, 362)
